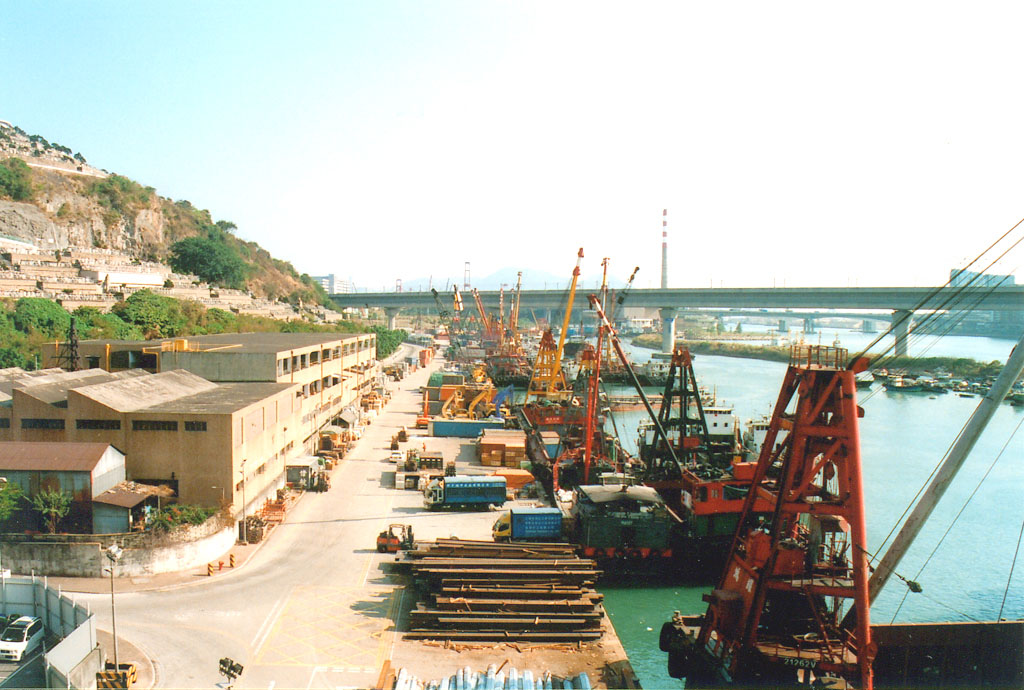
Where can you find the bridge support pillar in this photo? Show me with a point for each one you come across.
(901, 329)
(668, 328)
(392, 314)
(810, 326)
(783, 326)
(867, 326)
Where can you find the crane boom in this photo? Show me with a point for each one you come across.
(565, 320)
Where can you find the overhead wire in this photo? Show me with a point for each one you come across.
(927, 329)
(937, 290)
(957, 304)
(1009, 578)
(963, 507)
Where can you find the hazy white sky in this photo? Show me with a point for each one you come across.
(803, 143)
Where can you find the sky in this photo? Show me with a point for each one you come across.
(794, 143)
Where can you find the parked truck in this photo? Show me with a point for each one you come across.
(529, 524)
(464, 492)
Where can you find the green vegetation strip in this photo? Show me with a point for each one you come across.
(30, 321)
(958, 366)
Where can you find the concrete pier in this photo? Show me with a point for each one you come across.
(668, 328)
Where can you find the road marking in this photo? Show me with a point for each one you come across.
(264, 630)
(316, 670)
(332, 626)
(387, 639)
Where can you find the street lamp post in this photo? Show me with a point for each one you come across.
(245, 525)
(113, 554)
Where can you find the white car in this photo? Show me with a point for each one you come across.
(397, 456)
(20, 637)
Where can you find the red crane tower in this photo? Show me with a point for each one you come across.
(776, 616)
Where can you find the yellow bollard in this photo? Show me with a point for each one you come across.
(209, 569)
(231, 559)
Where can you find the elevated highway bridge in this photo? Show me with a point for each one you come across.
(900, 302)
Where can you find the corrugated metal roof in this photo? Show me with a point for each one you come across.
(149, 390)
(126, 494)
(53, 457)
(54, 388)
(223, 398)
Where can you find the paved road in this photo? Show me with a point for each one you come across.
(310, 609)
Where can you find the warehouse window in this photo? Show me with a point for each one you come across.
(98, 424)
(5, 423)
(153, 425)
(195, 426)
(42, 424)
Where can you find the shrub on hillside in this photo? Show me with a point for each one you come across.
(119, 194)
(91, 323)
(15, 179)
(156, 315)
(41, 315)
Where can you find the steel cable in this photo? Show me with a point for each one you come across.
(960, 512)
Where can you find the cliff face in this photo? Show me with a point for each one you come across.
(73, 204)
(63, 214)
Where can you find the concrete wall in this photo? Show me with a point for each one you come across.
(88, 560)
(72, 662)
(223, 366)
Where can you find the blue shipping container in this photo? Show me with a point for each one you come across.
(462, 428)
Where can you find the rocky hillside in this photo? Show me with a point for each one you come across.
(54, 199)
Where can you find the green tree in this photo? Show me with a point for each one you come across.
(220, 321)
(156, 315)
(13, 357)
(15, 179)
(213, 261)
(94, 324)
(41, 315)
(53, 505)
(388, 340)
(10, 496)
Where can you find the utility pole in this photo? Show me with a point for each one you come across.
(113, 554)
(245, 525)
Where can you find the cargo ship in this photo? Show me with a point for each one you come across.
(704, 477)
(622, 522)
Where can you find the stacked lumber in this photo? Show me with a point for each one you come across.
(477, 590)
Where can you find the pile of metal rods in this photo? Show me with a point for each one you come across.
(518, 592)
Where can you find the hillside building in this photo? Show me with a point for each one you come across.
(334, 285)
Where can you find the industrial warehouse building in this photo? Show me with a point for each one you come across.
(331, 369)
(90, 472)
(209, 442)
(217, 419)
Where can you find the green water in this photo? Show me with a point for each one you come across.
(903, 436)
